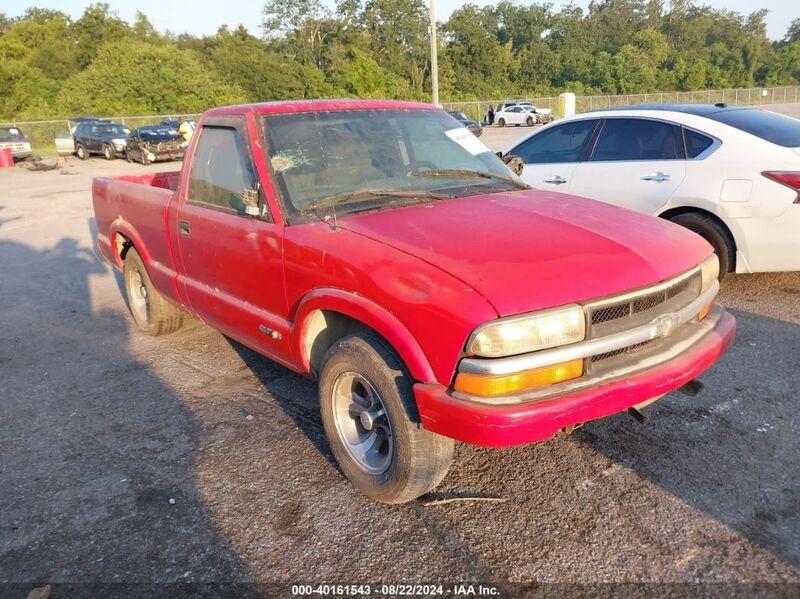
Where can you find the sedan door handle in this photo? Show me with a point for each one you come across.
(183, 228)
(657, 177)
(557, 180)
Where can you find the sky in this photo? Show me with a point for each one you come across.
(205, 16)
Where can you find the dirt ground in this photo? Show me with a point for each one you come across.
(129, 461)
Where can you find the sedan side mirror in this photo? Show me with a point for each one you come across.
(514, 163)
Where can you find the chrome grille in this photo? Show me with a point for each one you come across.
(603, 363)
(614, 315)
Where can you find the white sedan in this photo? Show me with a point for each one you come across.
(731, 174)
(518, 114)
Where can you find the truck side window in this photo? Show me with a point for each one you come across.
(221, 169)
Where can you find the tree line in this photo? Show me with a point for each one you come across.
(52, 66)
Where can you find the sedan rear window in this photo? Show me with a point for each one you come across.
(696, 143)
(770, 126)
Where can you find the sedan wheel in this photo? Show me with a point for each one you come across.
(501, 123)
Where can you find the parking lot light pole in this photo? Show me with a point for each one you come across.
(434, 58)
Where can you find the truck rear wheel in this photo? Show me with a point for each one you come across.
(372, 424)
(151, 312)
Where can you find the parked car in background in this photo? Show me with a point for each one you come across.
(730, 174)
(14, 139)
(100, 137)
(516, 115)
(543, 115)
(176, 125)
(154, 143)
(74, 121)
(508, 103)
(474, 127)
(284, 232)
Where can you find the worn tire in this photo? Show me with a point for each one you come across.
(501, 123)
(108, 152)
(419, 458)
(710, 230)
(159, 316)
(80, 152)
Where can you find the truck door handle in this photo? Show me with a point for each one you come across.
(557, 180)
(183, 228)
(657, 177)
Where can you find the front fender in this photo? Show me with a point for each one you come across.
(372, 315)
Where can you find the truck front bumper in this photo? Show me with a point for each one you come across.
(501, 425)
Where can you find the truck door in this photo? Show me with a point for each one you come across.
(231, 261)
(637, 163)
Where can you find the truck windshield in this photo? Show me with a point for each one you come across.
(359, 160)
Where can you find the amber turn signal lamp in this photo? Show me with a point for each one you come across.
(704, 312)
(505, 384)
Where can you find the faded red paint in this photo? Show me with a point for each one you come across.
(423, 276)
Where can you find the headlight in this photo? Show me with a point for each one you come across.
(709, 270)
(529, 332)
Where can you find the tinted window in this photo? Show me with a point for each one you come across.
(776, 128)
(562, 143)
(696, 143)
(221, 169)
(638, 139)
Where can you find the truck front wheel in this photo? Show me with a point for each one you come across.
(372, 424)
(151, 312)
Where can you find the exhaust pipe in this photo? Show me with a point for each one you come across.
(638, 416)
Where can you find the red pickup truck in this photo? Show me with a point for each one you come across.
(381, 248)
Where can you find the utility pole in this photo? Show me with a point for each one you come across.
(434, 58)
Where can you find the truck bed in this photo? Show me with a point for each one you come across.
(135, 207)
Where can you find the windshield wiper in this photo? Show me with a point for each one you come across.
(374, 193)
(468, 173)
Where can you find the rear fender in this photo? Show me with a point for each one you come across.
(120, 227)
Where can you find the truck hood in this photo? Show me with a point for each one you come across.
(529, 250)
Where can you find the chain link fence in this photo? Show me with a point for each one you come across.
(44, 133)
(741, 97)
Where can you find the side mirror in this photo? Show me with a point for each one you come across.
(250, 201)
(499, 155)
(514, 163)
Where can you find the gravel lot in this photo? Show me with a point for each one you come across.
(128, 459)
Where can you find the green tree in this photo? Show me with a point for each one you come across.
(133, 77)
(97, 26)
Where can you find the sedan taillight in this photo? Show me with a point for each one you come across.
(790, 179)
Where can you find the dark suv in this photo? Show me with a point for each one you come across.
(107, 139)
